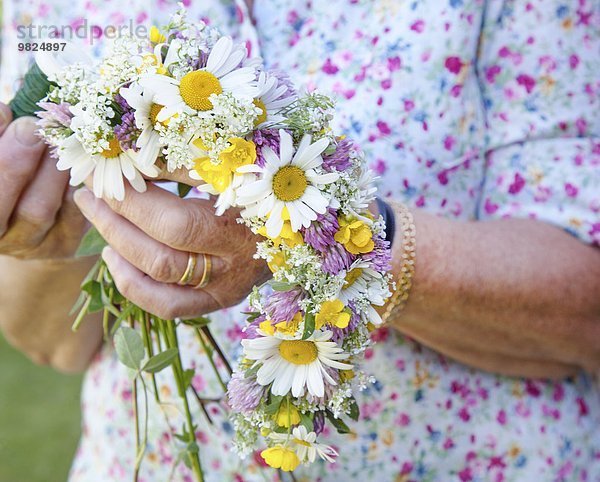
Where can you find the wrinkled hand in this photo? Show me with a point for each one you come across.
(150, 236)
(37, 216)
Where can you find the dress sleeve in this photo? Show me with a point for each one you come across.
(539, 71)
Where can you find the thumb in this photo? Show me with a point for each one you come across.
(5, 117)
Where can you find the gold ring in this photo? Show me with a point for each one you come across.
(206, 273)
(189, 270)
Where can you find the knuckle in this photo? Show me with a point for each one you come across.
(37, 214)
(160, 267)
(182, 227)
(16, 170)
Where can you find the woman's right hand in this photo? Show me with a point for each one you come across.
(38, 219)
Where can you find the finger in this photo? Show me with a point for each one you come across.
(160, 262)
(5, 117)
(180, 175)
(20, 153)
(166, 301)
(183, 224)
(37, 209)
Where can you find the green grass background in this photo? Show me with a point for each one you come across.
(39, 420)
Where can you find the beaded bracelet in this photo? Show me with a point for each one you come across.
(407, 269)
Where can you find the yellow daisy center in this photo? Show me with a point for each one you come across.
(114, 149)
(197, 86)
(154, 111)
(352, 276)
(263, 115)
(289, 183)
(298, 352)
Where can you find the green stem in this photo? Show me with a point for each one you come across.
(173, 342)
(215, 345)
(146, 330)
(209, 353)
(138, 461)
(84, 308)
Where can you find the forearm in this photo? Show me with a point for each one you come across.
(519, 297)
(35, 300)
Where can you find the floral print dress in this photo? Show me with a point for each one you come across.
(470, 109)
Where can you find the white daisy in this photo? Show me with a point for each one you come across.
(362, 281)
(108, 168)
(272, 97)
(52, 63)
(288, 182)
(191, 93)
(145, 112)
(291, 364)
(305, 445)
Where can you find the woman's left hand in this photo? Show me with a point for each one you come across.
(151, 236)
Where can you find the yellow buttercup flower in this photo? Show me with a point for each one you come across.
(155, 36)
(356, 236)
(240, 153)
(217, 175)
(287, 236)
(289, 327)
(287, 415)
(332, 313)
(280, 457)
(277, 262)
(267, 327)
(346, 375)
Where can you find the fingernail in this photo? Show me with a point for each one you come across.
(86, 201)
(25, 131)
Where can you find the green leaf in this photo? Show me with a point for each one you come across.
(281, 285)
(183, 189)
(94, 290)
(307, 422)
(35, 87)
(124, 314)
(83, 295)
(187, 377)
(129, 347)
(197, 322)
(252, 315)
(161, 360)
(309, 325)
(251, 372)
(274, 404)
(354, 410)
(338, 423)
(91, 244)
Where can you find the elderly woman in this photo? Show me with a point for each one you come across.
(482, 118)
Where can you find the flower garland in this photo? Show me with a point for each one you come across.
(188, 98)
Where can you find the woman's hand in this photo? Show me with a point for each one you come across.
(150, 237)
(38, 219)
(40, 229)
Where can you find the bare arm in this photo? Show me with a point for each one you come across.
(518, 297)
(35, 300)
